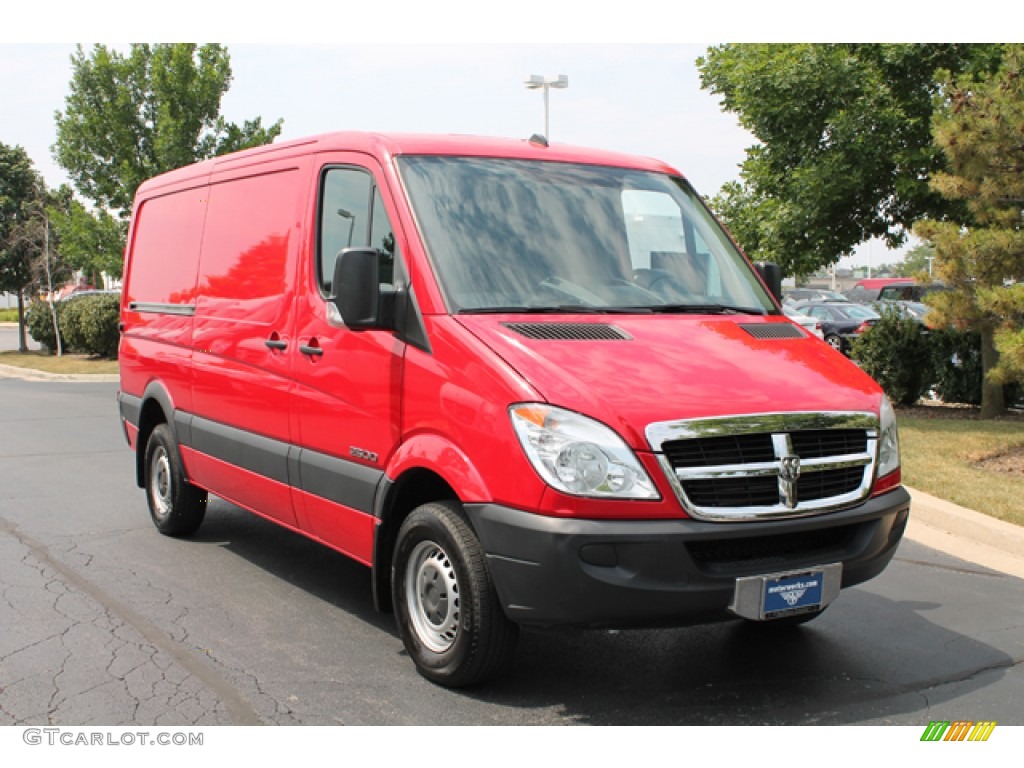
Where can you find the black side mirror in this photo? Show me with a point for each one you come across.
(772, 277)
(357, 290)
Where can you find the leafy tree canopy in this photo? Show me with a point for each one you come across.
(26, 251)
(20, 186)
(844, 145)
(917, 261)
(132, 116)
(90, 241)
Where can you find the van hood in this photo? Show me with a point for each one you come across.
(631, 370)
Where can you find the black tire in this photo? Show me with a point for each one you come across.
(448, 612)
(835, 341)
(176, 506)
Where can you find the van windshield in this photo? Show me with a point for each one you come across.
(527, 236)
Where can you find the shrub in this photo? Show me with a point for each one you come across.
(956, 356)
(896, 353)
(87, 324)
(39, 321)
(71, 324)
(90, 324)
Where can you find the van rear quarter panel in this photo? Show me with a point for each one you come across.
(159, 292)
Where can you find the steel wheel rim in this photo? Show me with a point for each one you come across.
(160, 483)
(432, 596)
(835, 342)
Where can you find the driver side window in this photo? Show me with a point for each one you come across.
(352, 215)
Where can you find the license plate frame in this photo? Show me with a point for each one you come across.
(771, 596)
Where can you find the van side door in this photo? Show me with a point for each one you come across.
(240, 431)
(347, 396)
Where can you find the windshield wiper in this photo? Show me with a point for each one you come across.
(706, 309)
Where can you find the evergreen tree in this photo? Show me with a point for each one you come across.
(979, 125)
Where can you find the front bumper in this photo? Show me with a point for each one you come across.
(561, 571)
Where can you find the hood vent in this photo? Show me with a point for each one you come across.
(771, 331)
(569, 331)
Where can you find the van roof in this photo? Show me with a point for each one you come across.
(385, 145)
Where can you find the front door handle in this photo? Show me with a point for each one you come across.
(276, 344)
(312, 349)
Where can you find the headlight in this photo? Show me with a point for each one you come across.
(578, 455)
(888, 440)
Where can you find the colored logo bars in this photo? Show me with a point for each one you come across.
(958, 730)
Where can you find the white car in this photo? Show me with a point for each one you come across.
(812, 324)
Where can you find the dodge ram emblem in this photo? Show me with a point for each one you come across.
(789, 473)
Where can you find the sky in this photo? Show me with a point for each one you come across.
(449, 66)
(638, 99)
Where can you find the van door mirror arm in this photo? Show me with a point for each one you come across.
(771, 275)
(361, 300)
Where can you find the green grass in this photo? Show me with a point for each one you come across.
(976, 464)
(54, 364)
(9, 315)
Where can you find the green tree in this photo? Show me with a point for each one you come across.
(131, 116)
(90, 241)
(917, 262)
(844, 148)
(21, 195)
(979, 125)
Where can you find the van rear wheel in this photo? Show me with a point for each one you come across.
(448, 612)
(176, 506)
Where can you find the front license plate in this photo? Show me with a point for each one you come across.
(774, 595)
(788, 595)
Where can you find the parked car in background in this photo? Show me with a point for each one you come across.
(807, 322)
(795, 295)
(870, 288)
(841, 322)
(915, 310)
(891, 289)
(914, 292)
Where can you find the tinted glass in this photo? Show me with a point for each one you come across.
(352, 215)
(507, 234)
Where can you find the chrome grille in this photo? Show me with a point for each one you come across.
(768, 465)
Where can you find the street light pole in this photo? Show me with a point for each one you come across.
(547, 82)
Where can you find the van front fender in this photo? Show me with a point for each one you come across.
(441, 456)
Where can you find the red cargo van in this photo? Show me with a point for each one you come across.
(525, 385)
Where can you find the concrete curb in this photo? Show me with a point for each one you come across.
(31, 374)
(966, 534)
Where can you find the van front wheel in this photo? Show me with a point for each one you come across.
(176, 506)
(448, 612)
